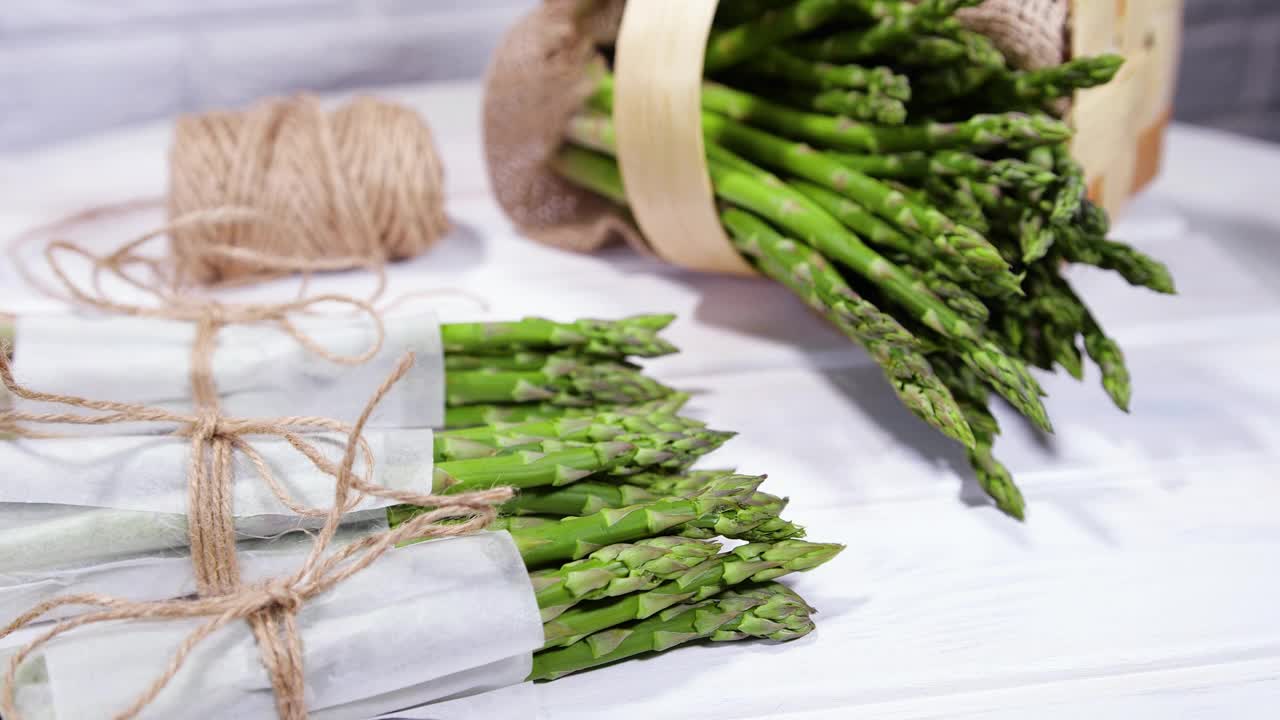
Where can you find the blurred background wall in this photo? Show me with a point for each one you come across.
(68, 67)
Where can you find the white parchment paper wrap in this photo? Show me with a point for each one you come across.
(157, 574)
(86, 500)
(259, 370)
(425, 622)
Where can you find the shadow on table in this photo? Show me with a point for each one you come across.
(867, 388)
(1250, 241)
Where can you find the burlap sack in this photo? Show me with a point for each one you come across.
(547, 65)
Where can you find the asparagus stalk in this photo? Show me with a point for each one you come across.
(893, 28)
(559, 382)
(734, 45)
(756, 562)
(918, 166)
(966, 304)
(518, 360)
(755, 519)
(1014, 130)
(580, 498)
(994, 478)
(1044, 85)
(1136, 267)
(616, 570)
(555, 463)
(576, 537)
(668, 484)
(678, 440)
(771, 611)
(860, 105)
(796, 71)
(469, 416)
(636, 336)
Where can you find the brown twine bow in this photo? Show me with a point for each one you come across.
(270, 608)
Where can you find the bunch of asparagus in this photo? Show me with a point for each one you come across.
(618, 533)
(536, 368)
(890, 168)
(624, 565)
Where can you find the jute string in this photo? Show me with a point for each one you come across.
(270, 608)
(360, 186)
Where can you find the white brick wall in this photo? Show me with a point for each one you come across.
(68, 67)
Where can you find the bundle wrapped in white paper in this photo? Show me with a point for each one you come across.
(425, 622)
(259, 370)
(84, 501)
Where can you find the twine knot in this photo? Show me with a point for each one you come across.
(208, 425)
(282, 596)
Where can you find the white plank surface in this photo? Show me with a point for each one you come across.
(1142, 586)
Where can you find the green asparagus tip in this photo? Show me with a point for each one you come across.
(654, 322)
(997, 482)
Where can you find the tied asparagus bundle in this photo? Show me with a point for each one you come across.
(539, 369)
(628, 564)
(890, 168)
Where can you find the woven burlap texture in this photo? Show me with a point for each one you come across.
(547, 65)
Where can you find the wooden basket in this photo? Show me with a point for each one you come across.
(548, 63)
(1120, 127)
(658, 64)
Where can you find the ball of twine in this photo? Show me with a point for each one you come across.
(355, 187)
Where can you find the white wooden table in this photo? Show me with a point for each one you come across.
(1144, 584)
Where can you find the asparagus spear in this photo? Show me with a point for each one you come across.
(771, 611)
(552, 462)
(994, 478)
(734, 45)
(576, 537)
(780, 64)
(637, 336)
(616, 570)
(1037, 87)
(599, 427)
(667, 484)
(558, 382)
(755, 519)
(517, 360)
(662, 442)
(555, 464)
(966, 304)
(756, 562)
(860, 105)
(980, 132)
(469, 416)
(894, 27)
(580, 498)
(1010, 172)
(1069, 201)
(1136, 267)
